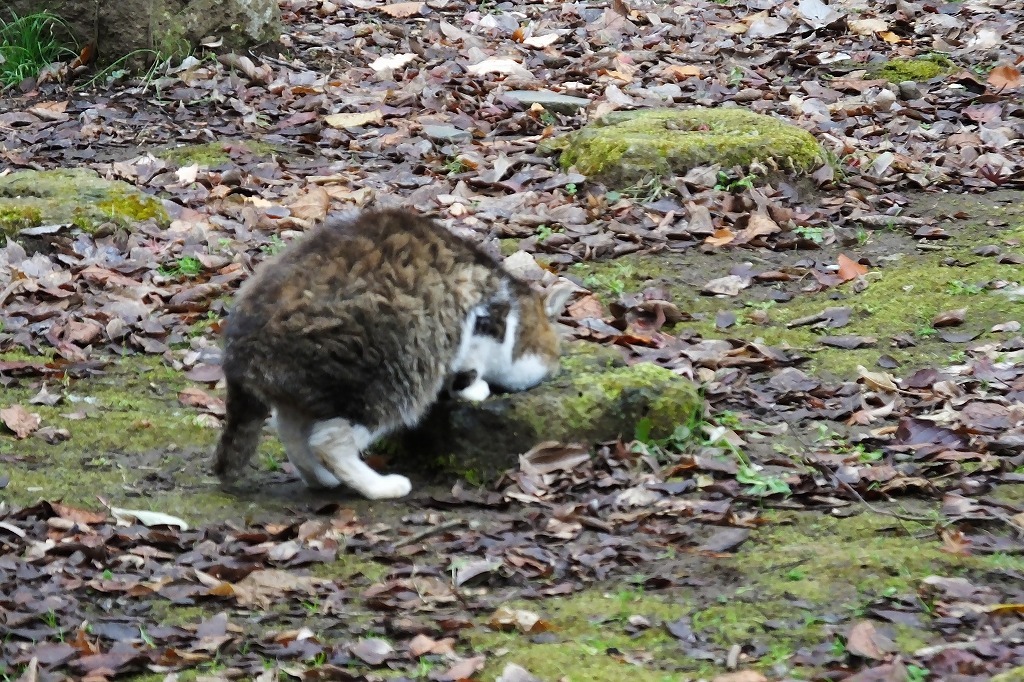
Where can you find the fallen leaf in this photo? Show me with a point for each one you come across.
(394, 61)
(20, 421)
(949, 318)
(403, 10)
(1004, 77)
(147, 518)
(354, 120)
(499, 65)
(850, 269)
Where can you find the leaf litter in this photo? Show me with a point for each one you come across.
(416, 111)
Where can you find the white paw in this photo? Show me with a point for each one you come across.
(389, 487)
(476, 391)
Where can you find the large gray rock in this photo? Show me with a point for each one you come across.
(169, 27)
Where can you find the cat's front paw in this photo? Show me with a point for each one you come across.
(476, 391)
(390, 487)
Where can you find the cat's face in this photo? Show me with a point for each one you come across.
(528, 351)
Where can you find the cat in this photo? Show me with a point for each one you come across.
(354, 331)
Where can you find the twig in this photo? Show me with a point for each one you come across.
(439, 528)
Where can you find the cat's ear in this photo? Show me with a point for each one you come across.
(558, 295)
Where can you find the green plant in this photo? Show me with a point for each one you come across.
(926, 332)
(274, 246)
(571, 189)
(958, 288)
(916, 673)
(186, 266)
(814, 234)
(454, 166)
(271, 462)
(28, 45)
(547, 118)
(647, 190)
(735, 76)
(727, 183)
(544, 232)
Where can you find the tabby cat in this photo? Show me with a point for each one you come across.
(353, 332)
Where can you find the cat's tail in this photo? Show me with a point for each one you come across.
(243, 421)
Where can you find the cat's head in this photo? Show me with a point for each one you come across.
(527, 351)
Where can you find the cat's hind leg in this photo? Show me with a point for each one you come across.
(336, 444)
(293, 430)
(243, 421)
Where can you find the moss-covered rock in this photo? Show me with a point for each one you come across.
(625, 147)
(77, 196)
(136, 31)
(594, 398)
(917, 69)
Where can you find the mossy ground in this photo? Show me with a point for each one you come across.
(77, 196)
(780, 593)
(906, 289)
(626, 147)
(213, 154)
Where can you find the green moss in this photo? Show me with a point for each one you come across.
(213, 154)
(670, 401)
(508, 246)
(14, 218)
(348, 567)
(590, 631)
(77, 196)
(627, 147)
(918, 69)
(135, 430)
(903, 295)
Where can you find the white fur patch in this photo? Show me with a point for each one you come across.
(476, 391)
(493, 362)
(336, 443)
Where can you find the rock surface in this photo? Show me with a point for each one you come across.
(168, 27)
(72, 196)
(596, 397)
(625, 147)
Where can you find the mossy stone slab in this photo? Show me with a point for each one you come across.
(625, 147)
(77, 196)
(595, 397)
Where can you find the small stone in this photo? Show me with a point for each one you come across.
(910, 90)
(552, 101)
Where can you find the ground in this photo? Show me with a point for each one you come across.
(845, 503)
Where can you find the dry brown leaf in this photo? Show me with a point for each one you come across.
(354, 120)
(312, 204)
(682, 71)
(506, 619)
(465, 669)
(403, 10)
(721, 237)
(20, 421)
(950, 318)
(864, 641)
(196, 397)
(1004, 77)
(850, 269)
(588, 306)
